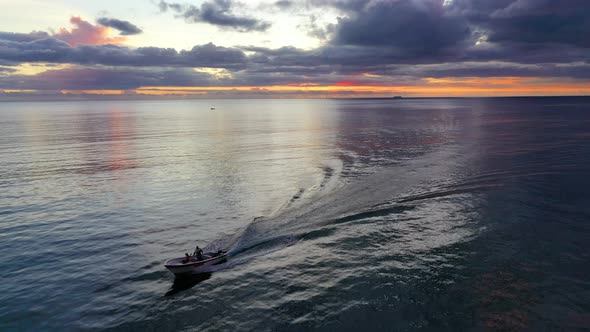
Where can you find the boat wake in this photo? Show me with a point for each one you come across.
(385, 194)
(329, 203)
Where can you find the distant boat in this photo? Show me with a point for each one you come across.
(396, 97)
(212, 108)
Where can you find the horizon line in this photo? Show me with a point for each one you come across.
(64, 98)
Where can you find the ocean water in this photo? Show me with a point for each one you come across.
(339, 215)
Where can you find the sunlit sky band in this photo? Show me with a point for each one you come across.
(293, 49)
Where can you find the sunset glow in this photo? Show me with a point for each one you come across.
(466, 87)
(85, 33)
(213, 50)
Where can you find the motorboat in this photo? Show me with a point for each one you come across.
(182, 265)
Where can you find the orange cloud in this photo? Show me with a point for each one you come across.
(84, 32)
(92, 92)
(346, 83)
(17, 91)
(430, 87)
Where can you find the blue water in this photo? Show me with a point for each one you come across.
(382, 215)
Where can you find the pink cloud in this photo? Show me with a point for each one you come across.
(84, 32)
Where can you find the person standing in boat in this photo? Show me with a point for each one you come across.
(199, 253)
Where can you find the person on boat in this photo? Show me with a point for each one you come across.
(199, 253)
(187, 258)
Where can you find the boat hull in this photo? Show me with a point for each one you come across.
(178, 267)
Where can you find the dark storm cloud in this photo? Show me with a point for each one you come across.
(525, 53)
(339, 60)
(529, 21)
(494, 69)
(23, 37)
(423, 31)
(45, 50)
(56, 51)
(370, 36)
(579, 72)
(408, 28)
(105, 78)
(542, 27)
(124, 78)
(216, 12)
(124, 27)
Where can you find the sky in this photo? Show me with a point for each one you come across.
(293, 48)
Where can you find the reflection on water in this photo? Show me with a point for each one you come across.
(187, 282)
(459, 214)
(506, 301)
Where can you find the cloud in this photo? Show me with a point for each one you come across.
(23, 37)
(535, 23)
(579, 71)
(53, 50)
(124, 27)
(86, 33)
(218, 13)
(191, 82)
(347, 6)
(375, 42)
(5, 70)
(84, 78)
(284, 4)
(410, 28)
(531, 22)
(41, 50)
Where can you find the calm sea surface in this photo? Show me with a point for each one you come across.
(380, 215)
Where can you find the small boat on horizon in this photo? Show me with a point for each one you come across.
(396, 97)
(182, 266)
